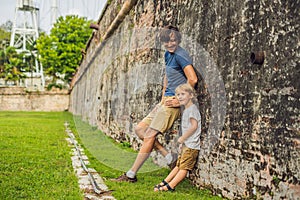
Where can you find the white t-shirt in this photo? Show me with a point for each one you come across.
(193, 141)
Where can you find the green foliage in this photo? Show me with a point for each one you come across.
(5, 34)
(12, 64)
(54, 85)
(4, 38)
(61, 50)
(7, 26)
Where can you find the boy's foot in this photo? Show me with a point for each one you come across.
(174, 161)
(166, 188)
(124, 178)
(161, 184)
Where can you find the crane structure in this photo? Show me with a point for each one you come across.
(24, 34)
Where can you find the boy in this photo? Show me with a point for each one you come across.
(189, 142)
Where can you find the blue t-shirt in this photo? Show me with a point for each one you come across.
(175, 63)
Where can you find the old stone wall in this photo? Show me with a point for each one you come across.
(19, 99)
(257, 154)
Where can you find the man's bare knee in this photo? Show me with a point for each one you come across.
(150, 133)
(140, 130)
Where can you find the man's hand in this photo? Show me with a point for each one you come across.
(172, 102)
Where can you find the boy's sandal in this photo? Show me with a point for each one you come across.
(163, 183)
(169, 189)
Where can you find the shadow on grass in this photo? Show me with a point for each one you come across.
(107, 151)
(110, 160)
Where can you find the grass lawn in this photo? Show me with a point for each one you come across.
(106, 157)
(35, 161)
(35, 157)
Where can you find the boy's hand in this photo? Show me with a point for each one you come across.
(180, 148)
(180, 140)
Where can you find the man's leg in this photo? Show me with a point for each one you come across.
(147, 146)
(140, 130)
(171, 158)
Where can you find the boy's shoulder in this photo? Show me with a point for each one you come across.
(193, 110)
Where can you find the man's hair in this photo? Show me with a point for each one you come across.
(167, 30)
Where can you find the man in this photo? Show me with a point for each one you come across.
(179, 70)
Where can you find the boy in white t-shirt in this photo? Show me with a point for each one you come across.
(189, 142)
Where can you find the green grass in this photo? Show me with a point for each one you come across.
(35, 157)
(35, 161)
(96, 143)
(108, 152)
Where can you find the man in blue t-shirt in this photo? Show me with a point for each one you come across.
(179, 70)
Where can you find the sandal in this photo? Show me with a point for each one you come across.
(169, 189)
(163, 183)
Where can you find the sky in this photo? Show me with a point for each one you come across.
(86, 8)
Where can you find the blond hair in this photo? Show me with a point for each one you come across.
(187, 88)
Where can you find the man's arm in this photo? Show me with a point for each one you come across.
(191, 79)
(190, 75)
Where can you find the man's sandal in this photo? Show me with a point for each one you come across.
(163, 183)
(169, 189)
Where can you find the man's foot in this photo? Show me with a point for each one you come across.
(124, 178)
(174, 161)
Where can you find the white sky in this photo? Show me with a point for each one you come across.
(87, 8)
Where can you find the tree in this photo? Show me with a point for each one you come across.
(61, 51)
(5, 34)
(7, 26)
(11, 64)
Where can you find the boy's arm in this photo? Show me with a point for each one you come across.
(190, 131)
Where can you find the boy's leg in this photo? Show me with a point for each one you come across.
(167, 180)
(172, 174)
(178, 178)
(173, 179)
(187, 162)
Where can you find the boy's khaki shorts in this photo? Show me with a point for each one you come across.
(187, 159)
(161, 118)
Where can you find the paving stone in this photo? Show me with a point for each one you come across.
(83, 177)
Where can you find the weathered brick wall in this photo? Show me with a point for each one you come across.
(259, 148)
(18, 99)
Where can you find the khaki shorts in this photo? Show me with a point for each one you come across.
(161, 118)
(187, 159)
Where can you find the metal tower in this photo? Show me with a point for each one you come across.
(25, 32)
(54, 10)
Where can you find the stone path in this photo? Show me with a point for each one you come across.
(88, 178)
